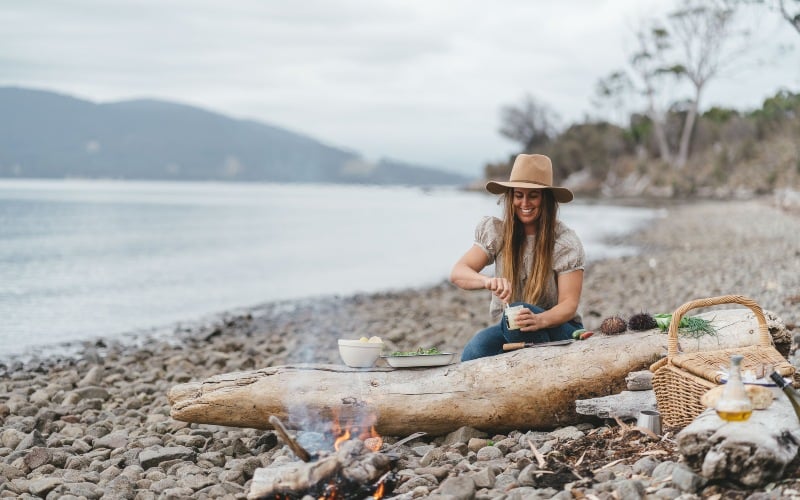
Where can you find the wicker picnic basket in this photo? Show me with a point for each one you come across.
(681, 379)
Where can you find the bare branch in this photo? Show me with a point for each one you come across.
(794, 20)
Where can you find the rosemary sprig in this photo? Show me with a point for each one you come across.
(690, 326)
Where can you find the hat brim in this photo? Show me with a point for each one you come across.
(562, 195)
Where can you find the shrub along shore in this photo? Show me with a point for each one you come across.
(97, 423)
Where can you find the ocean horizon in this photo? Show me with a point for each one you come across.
(89, 259)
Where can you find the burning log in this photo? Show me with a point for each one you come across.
(533, 388)
(349, 473)
(298, 450)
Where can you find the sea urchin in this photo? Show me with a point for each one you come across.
(642, 321)
(613, 325)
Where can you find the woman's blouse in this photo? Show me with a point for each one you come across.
(568, 256)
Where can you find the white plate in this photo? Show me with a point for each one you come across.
(418, 360)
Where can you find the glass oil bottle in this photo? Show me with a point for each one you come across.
(734, 404)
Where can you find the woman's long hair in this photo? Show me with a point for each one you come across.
(514, 242)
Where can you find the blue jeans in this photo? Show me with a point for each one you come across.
(489, 341)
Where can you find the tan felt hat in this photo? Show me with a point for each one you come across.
(531, 171)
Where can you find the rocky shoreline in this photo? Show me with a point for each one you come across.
(97, 424)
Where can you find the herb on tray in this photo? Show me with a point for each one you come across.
(690, 326)
(418, 352)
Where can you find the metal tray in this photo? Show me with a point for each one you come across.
(419, 360)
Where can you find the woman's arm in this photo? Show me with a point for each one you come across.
(569, 295)
(466, 274)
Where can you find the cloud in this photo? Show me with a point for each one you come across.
(415, 80)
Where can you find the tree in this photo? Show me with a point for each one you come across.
(700, 30)
(533, 124)
(692, 43)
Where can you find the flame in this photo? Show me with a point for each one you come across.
(347, 428)
(379, 491)
(341, 439)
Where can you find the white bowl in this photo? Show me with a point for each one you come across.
(359, 354)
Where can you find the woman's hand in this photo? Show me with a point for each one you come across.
(501, 287)
(529, 321)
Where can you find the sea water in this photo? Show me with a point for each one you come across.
(87, 259)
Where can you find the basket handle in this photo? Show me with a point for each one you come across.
(764, 338)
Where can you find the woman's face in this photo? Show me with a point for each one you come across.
(527, 204)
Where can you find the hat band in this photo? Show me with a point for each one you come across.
(530, 182)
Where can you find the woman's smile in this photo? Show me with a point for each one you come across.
(526, 204)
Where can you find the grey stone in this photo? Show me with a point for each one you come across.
(10, 438)
(489, 453)
(568, 433)
(37, 457)
(40, 397)
(92, 378)
(463, 435)
(686, 480)
(604, 475)
(527, 476)
(438, 472)
(214, 457)
(232, 476)
(84, 489)
(667, 493)
(417, 481)
(476, 444)
(118, 439)
(153, 457)
(547, 446)
(505, 481)
(193, 441)
(484, 478)
(41, 487)
(247, 466)
(31, 440)
(9, 472)
(628, 489)
(507, 444)
(422, 450)
(645, 466)
(163, 484)
(91, 392)
(663, 470)
(197, 481)
(176, 493)
(461, 488)
(431, 456)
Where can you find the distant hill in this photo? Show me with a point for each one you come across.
(49, 135)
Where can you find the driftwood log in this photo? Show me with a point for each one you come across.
(533, 388)
(625, 405)
(752, 453)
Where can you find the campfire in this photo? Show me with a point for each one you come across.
(355, 467)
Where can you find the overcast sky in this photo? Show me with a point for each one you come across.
(420, 81)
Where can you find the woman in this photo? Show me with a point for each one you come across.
(539, 261)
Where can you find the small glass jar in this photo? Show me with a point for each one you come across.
(734, 404)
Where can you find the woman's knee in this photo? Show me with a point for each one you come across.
(487, 342)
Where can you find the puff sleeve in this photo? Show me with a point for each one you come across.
(487, 236)
(568, 254)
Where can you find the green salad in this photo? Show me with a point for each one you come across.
(419, 352)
